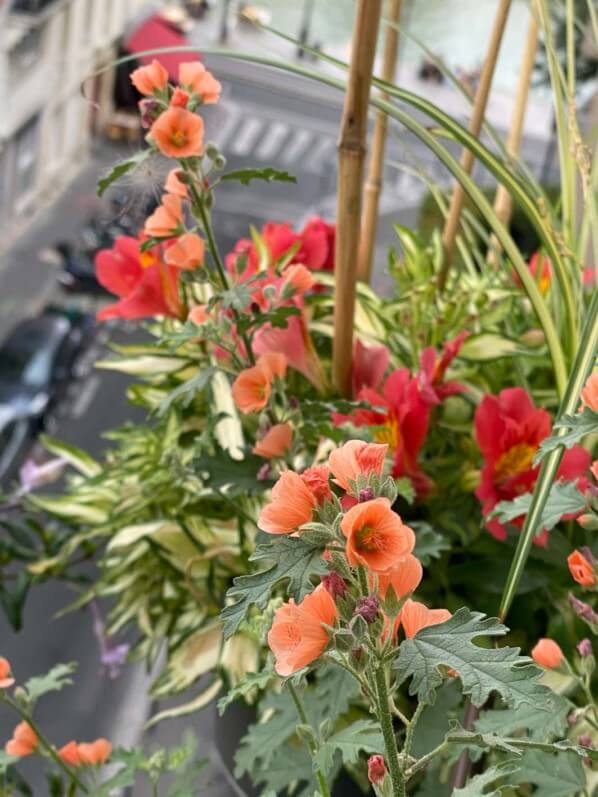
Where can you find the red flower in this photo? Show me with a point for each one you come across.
(433, 368)
(369, 366)
(315, 248)
(145, 285)
(403, 417)
(508, 430)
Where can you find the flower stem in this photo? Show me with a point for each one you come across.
(46, 744)
(313, 748)
(392, 756)
(411, 728)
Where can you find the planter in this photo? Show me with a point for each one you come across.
(228, 732)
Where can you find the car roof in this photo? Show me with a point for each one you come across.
(44, 331)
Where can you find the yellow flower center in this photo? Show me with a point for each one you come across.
(179, 138)
(367, 539)
(517, 459)
(390, 433)
(146, 259)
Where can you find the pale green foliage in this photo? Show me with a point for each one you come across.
(295, 561)
(53, 681)
(482, 785)
(540, 725)
(350, 741)
(253, 681)
(579, 425)
(563, 498)
(482, 670)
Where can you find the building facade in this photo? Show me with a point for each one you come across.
(50, 51)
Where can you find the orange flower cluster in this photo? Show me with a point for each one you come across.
(375, 539)
(86, 754)
(25, 741)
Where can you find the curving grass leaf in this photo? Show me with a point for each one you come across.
(245, 176)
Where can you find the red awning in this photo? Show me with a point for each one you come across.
(154, 33)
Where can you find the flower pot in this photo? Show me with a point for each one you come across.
(229, 730)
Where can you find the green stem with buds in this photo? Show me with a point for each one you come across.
(313, 747)
(384, 716)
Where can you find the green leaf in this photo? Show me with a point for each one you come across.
(579, 425)
(55, 680)
(560, 775)
(563, 498)
(477, 786)
(238, 476)
(540, 725)
(196, 704)
(429, 544)
(482, 670)
(245, 176)
(6, 761)
(295, 560)
(360, 736)
(76, 457)
(405, 489)
(120, 169)
(251, 682)
(237, 297)
(433, 724)
(145, 365)
(186, 392)
(489, 346)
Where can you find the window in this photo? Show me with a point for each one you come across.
(26, 153)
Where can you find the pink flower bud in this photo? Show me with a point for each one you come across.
(376, 769)
(368, 608)
(584, 648)
(334, 584)
(367, 494)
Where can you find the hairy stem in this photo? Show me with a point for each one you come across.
(313, 748)
(392, 756)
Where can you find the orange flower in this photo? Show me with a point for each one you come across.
(6, 678)
(376, 536)
(297, 279)
(95, 753)
(275, 442)
(291, 506)
(179, 98)
(404, 578)
(174, 186)
(24, 741)
(198, 315)
(69, 753)
(589, 395)
(594, 469)
(178, 133)
(148, 79)
(316, 478)
(581, 569)
(297, 636)
(414, 616)
(356, 458)
(547, 654)
(251, 389)
(274, 364)
(196, 78)
(166, 220)
(187, 252)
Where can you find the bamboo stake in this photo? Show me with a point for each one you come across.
(451, 226)
(351, 153)
(503, 202)
(373, 186)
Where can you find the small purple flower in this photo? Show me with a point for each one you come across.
(584, 648)
(367, 494)
(265, 472)
(368, 608)
(112, 656)
(585, 740)
(334, 584)
(33, 475)
(583, 610)
(150, 110)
